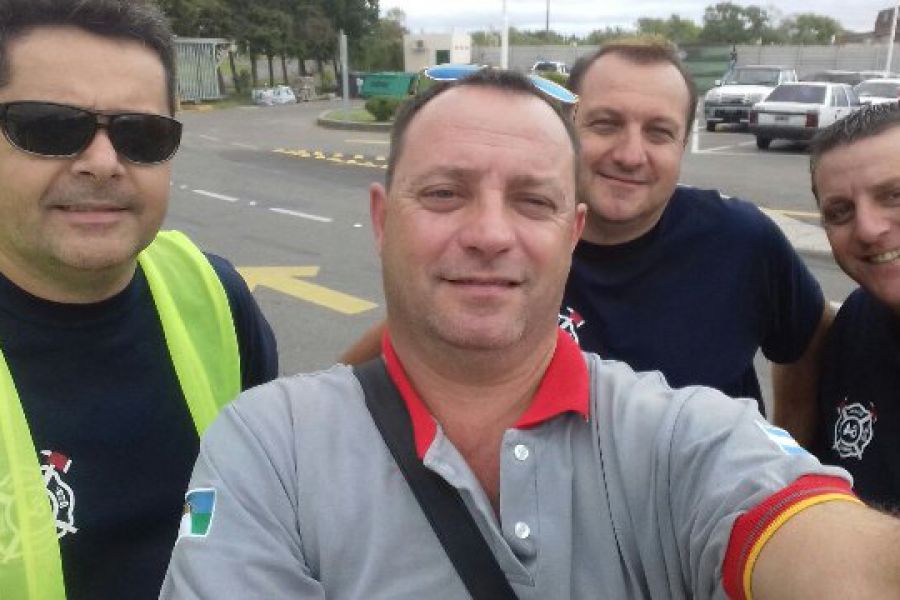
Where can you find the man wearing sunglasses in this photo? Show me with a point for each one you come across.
(117, 343)
(672, 277)
(574, 477)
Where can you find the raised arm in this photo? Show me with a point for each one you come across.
(834, 550)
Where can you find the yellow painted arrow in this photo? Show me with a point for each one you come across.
(285, 280)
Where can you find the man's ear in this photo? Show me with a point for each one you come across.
(378, 212)
(578, 225)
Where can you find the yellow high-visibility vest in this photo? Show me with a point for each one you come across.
(200, 335)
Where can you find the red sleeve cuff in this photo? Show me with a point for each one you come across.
(753, 529)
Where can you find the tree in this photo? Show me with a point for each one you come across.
(674, 29)
(728, 23)
(603, 36)
(810, 28)
(382, 50)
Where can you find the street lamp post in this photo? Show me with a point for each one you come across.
(504, 40)
(890, 52)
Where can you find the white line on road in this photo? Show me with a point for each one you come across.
(209, 137)
(216, 196)
(248, 146)
(729, 146)
(385, 142)
(294, 213)
(695, 138)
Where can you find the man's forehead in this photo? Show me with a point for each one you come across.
(482, 116)
(659, 81)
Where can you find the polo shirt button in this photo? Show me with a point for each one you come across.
(521, 451)
(522, 530)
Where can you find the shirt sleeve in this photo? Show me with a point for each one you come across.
(792, 298)
(256, 341)
(243, 540)
(731, 475)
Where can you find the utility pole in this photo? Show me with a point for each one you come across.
(890, 53)
(547, 24)
(504, 40)
(345, 76)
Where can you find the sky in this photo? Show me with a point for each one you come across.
(582, 16)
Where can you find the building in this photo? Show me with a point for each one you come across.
(426, 49)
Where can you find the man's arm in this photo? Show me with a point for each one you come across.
(834, 550)
(366, 348)
(795, 386)
(248, 542)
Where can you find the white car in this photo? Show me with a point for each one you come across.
(731, 99)
(550, 66)
(878, 91)
(796, 111)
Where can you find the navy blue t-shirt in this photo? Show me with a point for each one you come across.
(113, 432)
(696, 296)
(859, 398)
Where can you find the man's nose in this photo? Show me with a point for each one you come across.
(629, 150)
(489, 228)
(99, 159)
(872, 221)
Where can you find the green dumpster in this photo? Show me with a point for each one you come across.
(396, 84)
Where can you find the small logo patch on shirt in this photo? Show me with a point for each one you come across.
(782, 439)
(199, 506)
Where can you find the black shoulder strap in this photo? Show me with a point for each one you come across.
(441, 502)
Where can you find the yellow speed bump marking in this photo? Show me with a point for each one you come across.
(287, 281)
(357, 160)
(796, 213)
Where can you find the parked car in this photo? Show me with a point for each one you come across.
(878, 91)
(742, 87)
(796, 111)
(550, 66)
(836, 76)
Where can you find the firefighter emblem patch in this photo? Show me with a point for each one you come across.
(854, 429)
(570, 321)
(62, 500)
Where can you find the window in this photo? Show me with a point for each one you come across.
(808, 94)
(840, 96)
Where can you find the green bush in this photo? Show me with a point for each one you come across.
(383, 108)
(559, 78)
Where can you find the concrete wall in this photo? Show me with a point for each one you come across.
(522, 57)
(421, 50)
(806, 59)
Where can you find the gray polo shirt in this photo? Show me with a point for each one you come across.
(631, 493)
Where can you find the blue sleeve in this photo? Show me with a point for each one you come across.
(256, 341)
(793, 301)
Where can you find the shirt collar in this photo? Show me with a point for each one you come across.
(563, 388)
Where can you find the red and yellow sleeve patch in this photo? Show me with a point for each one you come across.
(754, 529)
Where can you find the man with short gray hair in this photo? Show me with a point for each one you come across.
(580, 477)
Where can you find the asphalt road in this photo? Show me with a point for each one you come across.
(247, 185)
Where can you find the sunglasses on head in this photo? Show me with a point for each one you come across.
(62, 131)
(452, 72)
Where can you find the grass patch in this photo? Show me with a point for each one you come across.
(355, 115)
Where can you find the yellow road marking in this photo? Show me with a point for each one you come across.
(286, 280)
(796, 213)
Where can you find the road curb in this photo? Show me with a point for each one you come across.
(809, 240)
(323, 121)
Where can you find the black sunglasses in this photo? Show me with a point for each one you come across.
(59, 130)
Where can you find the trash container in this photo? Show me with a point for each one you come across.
(390, 83)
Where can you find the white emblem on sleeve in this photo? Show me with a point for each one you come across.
(854, 429)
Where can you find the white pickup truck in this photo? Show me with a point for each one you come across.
(731, 99)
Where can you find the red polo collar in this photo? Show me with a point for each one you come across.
(564, 388)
